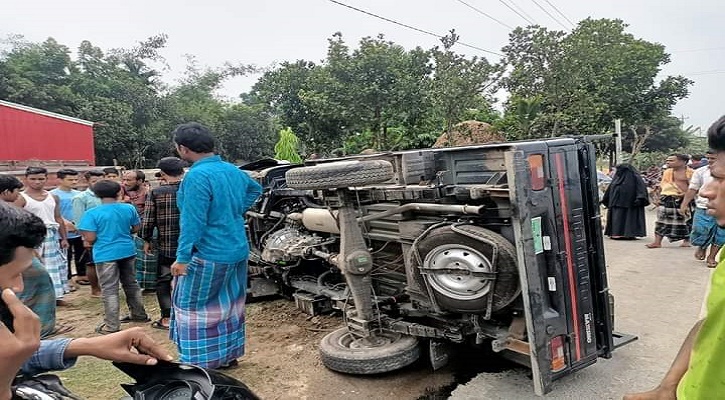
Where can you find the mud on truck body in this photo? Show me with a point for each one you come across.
(495, 244)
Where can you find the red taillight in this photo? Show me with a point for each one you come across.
(536, 167)
(558, 359)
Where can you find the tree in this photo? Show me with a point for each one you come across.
(589, 77)
(38, 75)
(459, 84)
(286, 147)
(521, 118)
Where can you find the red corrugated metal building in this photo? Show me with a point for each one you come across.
(28, 133)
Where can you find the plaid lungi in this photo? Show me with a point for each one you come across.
(146, 266)
(670, 223)
(207, 320)
(54, 261)
(38, 295)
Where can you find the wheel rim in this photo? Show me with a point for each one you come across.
(350, 341)
(462, 285)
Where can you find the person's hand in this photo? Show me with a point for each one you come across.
(69, 226)
(685, 210)
(64, 243)
(178, 268)
(660, 393)
(87, 245)
(148, 248)
(16, 347)
(129, 345)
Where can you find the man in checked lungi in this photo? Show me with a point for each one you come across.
(38, 294)
(672, 223)
(211, 259)
(47, 207)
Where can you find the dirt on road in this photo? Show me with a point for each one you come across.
(281, 360)
(658, 295)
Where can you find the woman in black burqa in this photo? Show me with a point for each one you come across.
(625, 199)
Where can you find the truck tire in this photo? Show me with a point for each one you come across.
(340, 175)
(341, 351)
(443, 247)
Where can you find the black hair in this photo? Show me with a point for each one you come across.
(36, 171)
(140, 176)
(110, 170)
(106, 189)
(94, 172)
(716, 135)
(8, 183)
(174, 172)
(683, 157)
(18, 228)
(62, 173)
(195, 137)
(710, 151)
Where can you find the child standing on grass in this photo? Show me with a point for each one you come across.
(109, 228)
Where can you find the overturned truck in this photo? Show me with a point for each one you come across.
(495, 244)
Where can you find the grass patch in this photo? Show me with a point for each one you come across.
(92, 378)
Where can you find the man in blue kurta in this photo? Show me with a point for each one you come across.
(211, 259)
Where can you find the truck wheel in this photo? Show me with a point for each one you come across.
(340, 175)
(451, 260)
(342, 351)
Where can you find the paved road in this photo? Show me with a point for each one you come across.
(658, 295)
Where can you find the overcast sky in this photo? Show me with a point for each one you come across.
(267, 31)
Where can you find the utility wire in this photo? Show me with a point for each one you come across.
(516, 12)
(559, 11)
(516, 6)
(413, 28)
(484, 14)
(549, 14)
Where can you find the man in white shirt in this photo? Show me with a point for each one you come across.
(705, 231)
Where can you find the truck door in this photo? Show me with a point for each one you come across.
(552, 222)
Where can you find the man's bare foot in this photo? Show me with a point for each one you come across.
(61, 303)
(711, 263)
(700, 253)
(657, 394)
(96, 295)
(653, 246)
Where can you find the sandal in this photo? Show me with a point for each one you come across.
(83, 282)
(159, 325)
(128, 319)
(230, 365)
(102, 329)
(712, 264)
(59, 329)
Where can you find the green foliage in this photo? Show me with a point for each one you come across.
(375, 95)
(121, 92)
(459, 84)
(587, 78)
(286, 147)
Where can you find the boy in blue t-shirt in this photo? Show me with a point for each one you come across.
(65, 192)
(109, 228)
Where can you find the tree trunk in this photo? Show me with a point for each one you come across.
(639, 140)
(377, 130)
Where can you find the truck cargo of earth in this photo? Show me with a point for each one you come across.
(496, 244)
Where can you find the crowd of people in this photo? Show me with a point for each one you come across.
(681, 209)
(193, 225)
